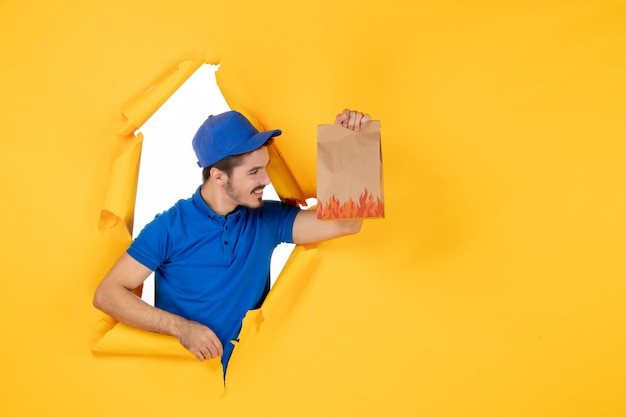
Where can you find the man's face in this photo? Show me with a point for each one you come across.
(246, 183)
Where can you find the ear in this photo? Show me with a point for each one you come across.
(218, 175)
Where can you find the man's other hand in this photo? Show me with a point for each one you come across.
(200, 340)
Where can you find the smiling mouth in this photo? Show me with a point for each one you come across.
(258, 191)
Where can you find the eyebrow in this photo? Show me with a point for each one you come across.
(258, 167)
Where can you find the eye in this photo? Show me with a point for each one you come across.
(254, 171)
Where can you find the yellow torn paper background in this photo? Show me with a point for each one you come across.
(493, 287)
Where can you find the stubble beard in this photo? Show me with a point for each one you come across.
(237, 196)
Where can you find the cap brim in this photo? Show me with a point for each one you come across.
(255, 142)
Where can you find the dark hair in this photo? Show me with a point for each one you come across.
(227, 164)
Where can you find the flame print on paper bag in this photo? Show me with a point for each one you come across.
(367, 207)
(349, 172)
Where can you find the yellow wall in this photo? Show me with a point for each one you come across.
(494, 287)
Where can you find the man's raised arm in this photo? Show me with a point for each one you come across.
(307, 227)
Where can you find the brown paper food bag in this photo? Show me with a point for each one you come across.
(349, 172)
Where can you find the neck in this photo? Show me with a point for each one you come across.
(217, 199)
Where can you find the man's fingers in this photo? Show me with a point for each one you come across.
(342, 118)
(357, 120)
(213, 349)
(352, 119)
(208, 352)
(219, 350)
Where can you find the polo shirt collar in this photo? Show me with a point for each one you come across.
(204, 208)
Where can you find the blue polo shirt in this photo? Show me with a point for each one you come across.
(213, 268)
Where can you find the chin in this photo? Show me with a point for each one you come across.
(256, 205)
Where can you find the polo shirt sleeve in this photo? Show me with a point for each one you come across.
(280, 217)
(150, 247)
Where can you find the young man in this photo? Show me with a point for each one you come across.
(211, 253)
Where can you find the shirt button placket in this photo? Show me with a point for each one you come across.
(228, 250)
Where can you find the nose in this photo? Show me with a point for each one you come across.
(265, 179)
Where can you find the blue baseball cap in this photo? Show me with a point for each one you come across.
(227, 134)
